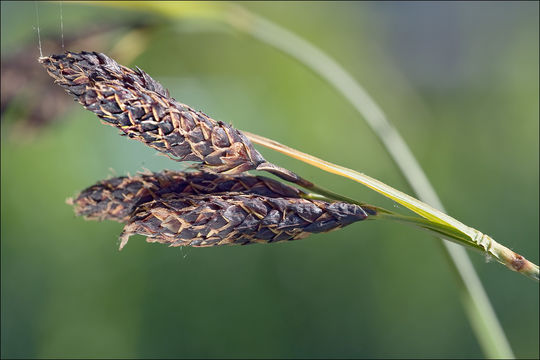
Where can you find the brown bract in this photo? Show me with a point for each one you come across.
(143, 110)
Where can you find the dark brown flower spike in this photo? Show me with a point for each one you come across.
(236, 219)
(143, 110)
(116, 198)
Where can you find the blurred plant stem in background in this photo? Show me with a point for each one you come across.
(476, 302)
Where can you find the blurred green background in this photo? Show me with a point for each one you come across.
(460, 82)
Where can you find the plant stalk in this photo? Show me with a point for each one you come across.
(478, 308)
(434, 219)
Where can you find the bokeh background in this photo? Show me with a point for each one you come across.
(458, 79)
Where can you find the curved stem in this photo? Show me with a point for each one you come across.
(476, 302)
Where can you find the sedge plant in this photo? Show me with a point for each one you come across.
(429, 209)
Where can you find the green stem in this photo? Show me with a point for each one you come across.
(499, 252)
(441, 230)
(477, 305)
(437, 229)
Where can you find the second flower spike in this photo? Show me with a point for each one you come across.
(236, 219)
(116, 198)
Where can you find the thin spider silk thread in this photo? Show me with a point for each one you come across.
(37, 24)
(62, 24)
